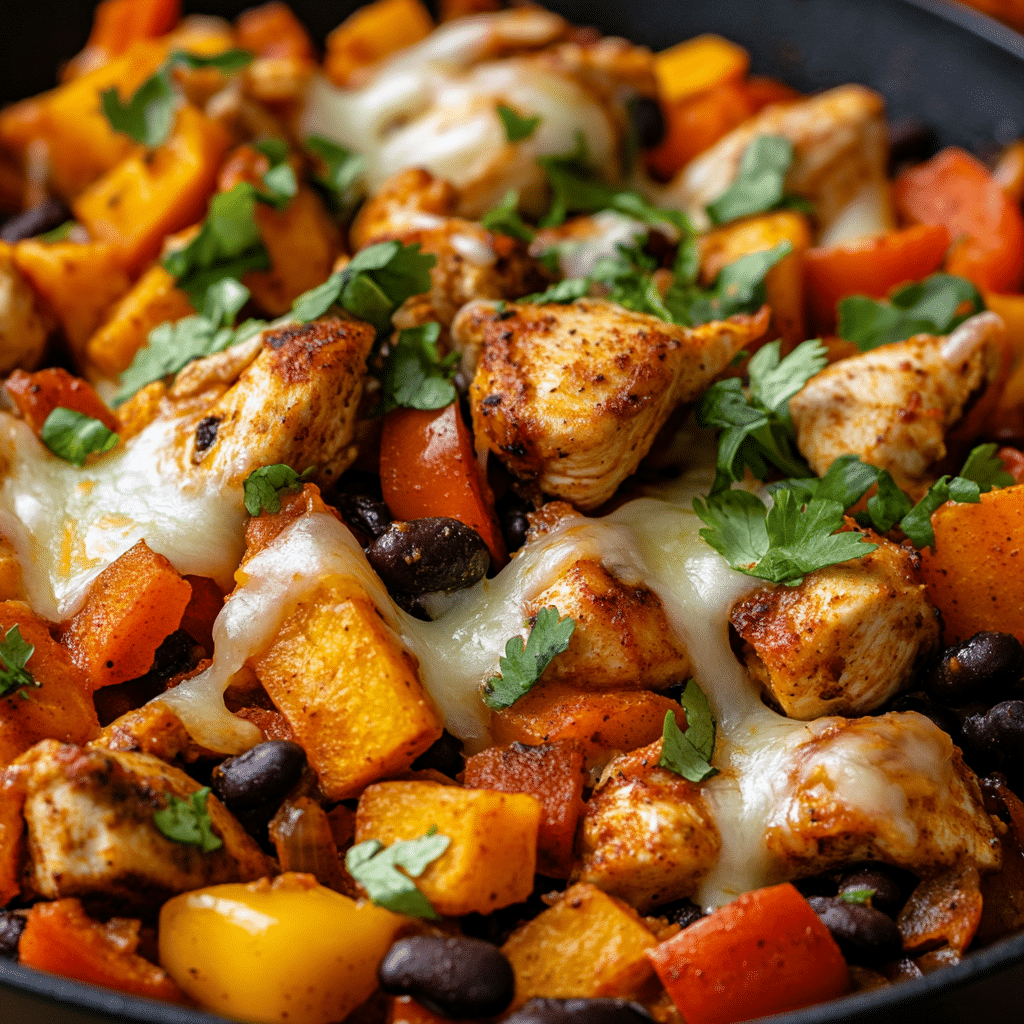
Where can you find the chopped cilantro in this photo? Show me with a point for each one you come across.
(689, 753)
(862, 897)
(569, 290)
(504, 219)
(375, 868)
(15, 651)
(931, 306)
(516, 126)
(415, 376)
(280, 186)
(73, 436)
(263, 487)
(759, 185)
(628, 279)
(341, 172)
(58, 234)
(523, 664)
(188, 821)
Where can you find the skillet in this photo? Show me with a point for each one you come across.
(939, 65)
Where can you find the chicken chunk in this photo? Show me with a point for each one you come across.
(22, 331)
(648, 836)
(572, 396)
(840, 151)
(891, 788)
(471, 262)
(90, 828)
(845, 640)
(622, 636)
(898, 405)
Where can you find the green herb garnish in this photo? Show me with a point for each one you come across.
(73, 436)
(15, 651)
(263, 487)
(188, 821)
(688, 754)
(376, 869)
(516, 126)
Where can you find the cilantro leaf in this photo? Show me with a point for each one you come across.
(340, 176)
(280, 186)
(759, 185)
(375, 868)
(523, 664)
(188, 821)
(227, 62)
(774, 380)
(516, 126)
(504, 219)
(781, 544)
(73, 436)
(925, 307)
(688, 753)
(575, 186)
(569, 290)
(889, 506)
(58, 234)
(629, 281)
(415, 376)
(148, 116)
(15, 651)
(862, 897)
(263, 487)
(983, 468)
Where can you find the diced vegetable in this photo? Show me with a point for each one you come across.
(766, 953)
(491, 859)
(203, 607)
(283, 951)
(116, 25)
(698, 64)
(132, 607)
(373, 33)
(37, 394)
(272, 30)
(943, 910)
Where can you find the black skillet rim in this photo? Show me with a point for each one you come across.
(978, 965)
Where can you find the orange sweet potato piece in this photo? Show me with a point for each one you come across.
(974, 574)
(405, 1010)
(942, 910)
(262, 529)
(449, 9)
(153, 193)
(373, 33)
(132, 607)
(599, 722)
(553, 773)
(37, 394)
(61, 708)
(203, 607)
(116, 25)
(272, 30)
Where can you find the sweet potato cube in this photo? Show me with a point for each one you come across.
(272, 30)
(373, 33)
(132, 607)
(348, 688)
(406, 1010)
(492, 857)
(37, 394)
(553, 773)
(697, 64)
(61, 708)
(599, 722)
(587, 945)
(153, 193)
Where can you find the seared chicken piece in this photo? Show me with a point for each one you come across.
(867, 789)
(845, 640)
(90, 830)
(897, 405)
(622, 636)
(648, 836)
(471, 261)
(840, 151)
(573, 396)
(152, 729)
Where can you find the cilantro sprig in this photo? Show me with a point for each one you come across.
(279, 183)
(188, 821)
(523, 664)
(505, 219)
(760, 182)
(861, 897)
(688, 754)
(386, 873)
(339, 180)
(757, 430)
(414, 375)
(932, 306)
(15, 678)
(516, 126)
(73, 436)
(148, 115)
(263, 487)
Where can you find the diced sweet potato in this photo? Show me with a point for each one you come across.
(61, 708)
(697, 64)
(619, 720)
(974, 572)
(202, 609)
(449, 9)
(153, 193)
(372, 33)
(553, 773)
(492, 856)
(132, 607)
(348, 688)
(37, 394)
(405, 1010)
(943, 910)
(587, 945)
(272, 30)
(116, 25)
(262, 529)
(13, 791)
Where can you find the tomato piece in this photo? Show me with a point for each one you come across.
(958, 191)
(766, 953)
(871, 267)
(428, 468)
(37, 394)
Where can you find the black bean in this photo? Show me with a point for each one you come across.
(425, 555)
(580, 1011)
(647, 120)
(515, 527)
(984, 668)
(865, 935)
(11, 927)
(920, 702)
(259, 777)
(44, 216)
(369, 516)
(444, 755)
(458, 977)
(890, 886)
(997, 735)
(681, 912)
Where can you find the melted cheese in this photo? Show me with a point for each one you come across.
(68, 524)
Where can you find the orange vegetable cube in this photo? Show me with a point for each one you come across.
(203, 607)
(37, 394)
(116, 25)
(373, 33)
(405, 1010)
(449, 9)
(272, 30)
(132, 607)
(698, 64)
(553, 773)
(492, 856)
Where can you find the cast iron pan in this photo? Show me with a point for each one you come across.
(938, 64)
